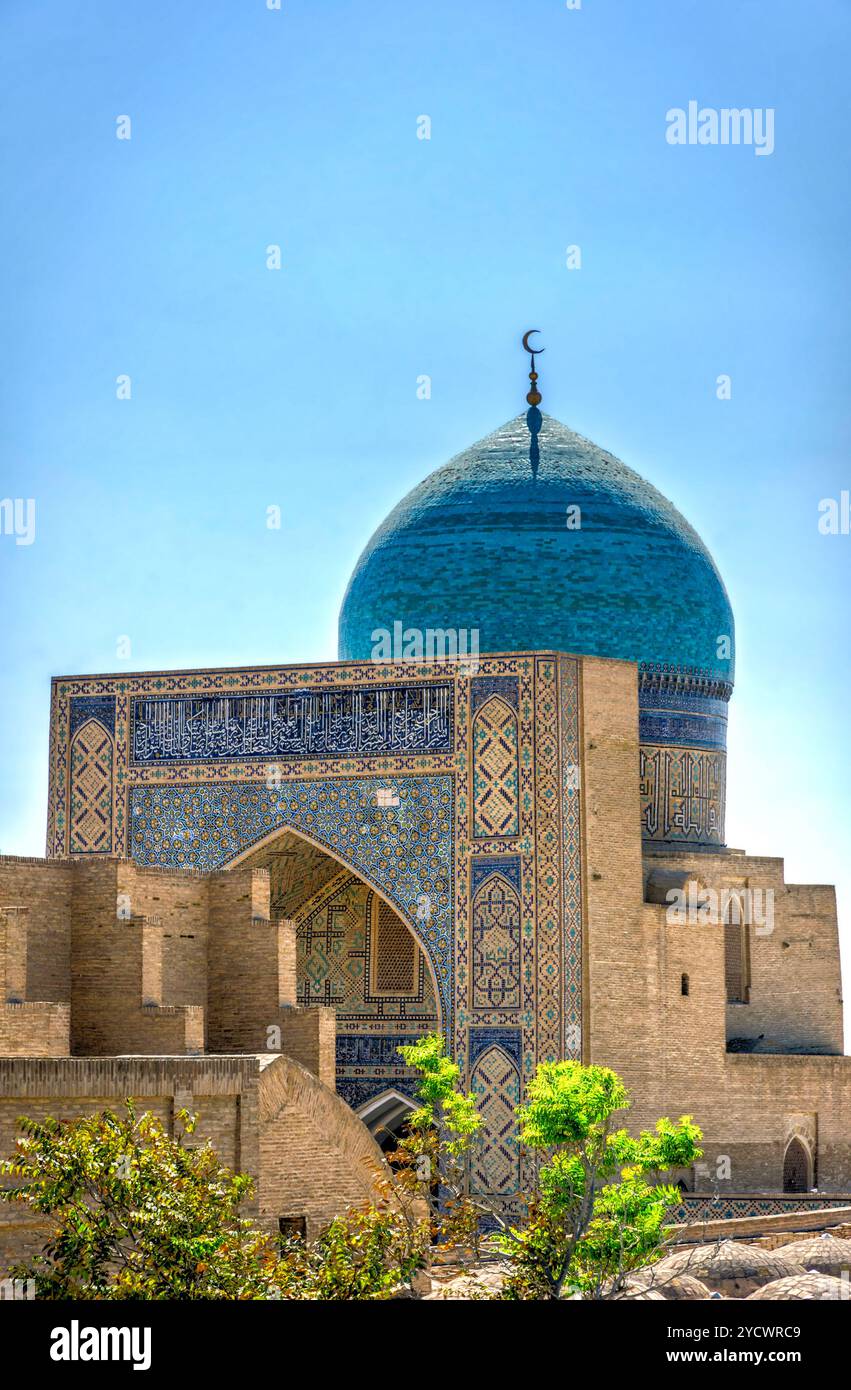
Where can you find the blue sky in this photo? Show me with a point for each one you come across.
(402, 257)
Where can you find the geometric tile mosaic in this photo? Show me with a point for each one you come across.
(697, 1207)
(99, 707)
(495, 772)
(91, 790)
(405, 850)
(507, 964)
(495, 1082)
(496, 939)
(682, 794)
(339, 960)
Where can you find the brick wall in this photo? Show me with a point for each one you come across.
(179, 901)
(157, 962)
(623, 985)
(795, 962)
(243, 971)
(309, 1036)
(117, 1001)
(317, 1158)
(264, 1115)
(45, 887)
(28, 1026)
(671, 1047)
(34, 1029)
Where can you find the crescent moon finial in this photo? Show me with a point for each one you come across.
(534, 395)
(534, 419)
(533, 352)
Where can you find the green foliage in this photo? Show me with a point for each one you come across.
(431, 1161)
(626, 1233)
(595, 1214)
(138, 1214)
(444, 1106)
(569, 1103)
(598, 1208)
(365, 1255)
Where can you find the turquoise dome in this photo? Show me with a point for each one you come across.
(481, 543)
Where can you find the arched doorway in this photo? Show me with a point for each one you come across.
(385, 1117)
(355, 953)
(797, 1167)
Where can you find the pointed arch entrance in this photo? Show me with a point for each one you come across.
(312, 865)
(397, 834)
(797, 1167)
(356, 954)
(385, 1116)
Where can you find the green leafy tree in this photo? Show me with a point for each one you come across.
(599, 1205)
(366, 1255)
(432, 1160)
(136, 1212)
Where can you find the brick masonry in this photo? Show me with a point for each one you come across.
(265, 1115)
(671, 1047)
(166, 973)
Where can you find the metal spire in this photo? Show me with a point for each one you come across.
(534, 419)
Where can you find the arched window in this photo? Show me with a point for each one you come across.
(394, 968)
(736, 952)
(386, 1116)
(797, 1174)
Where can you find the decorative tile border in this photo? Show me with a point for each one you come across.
(697, 1207)
(206, 812)
(345, 722)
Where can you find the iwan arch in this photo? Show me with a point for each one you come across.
(259, 881)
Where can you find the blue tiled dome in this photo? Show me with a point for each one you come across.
(482, 544)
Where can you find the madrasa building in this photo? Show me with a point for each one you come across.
(500, 815)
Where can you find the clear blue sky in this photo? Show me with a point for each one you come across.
(401, 256)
